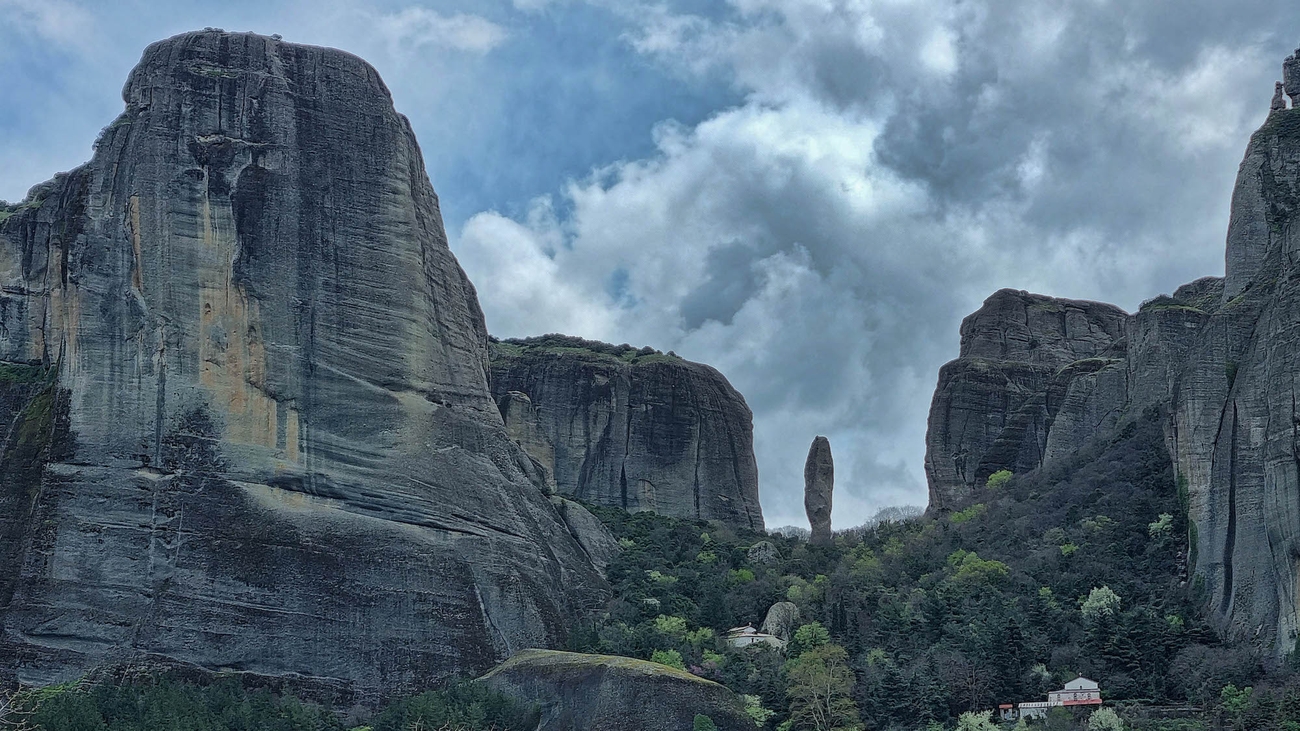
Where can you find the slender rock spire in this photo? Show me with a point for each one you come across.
(818, 484)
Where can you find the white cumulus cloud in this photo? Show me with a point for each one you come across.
(415, 26)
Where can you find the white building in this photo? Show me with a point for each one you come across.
(747, 635)
(1033, 709)
(1077, 692)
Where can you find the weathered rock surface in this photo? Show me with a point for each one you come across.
(991, 410)
(763, 553)
(1219, 360)
(628, 428)
(577, 692)
(596, 540)
(781, 621)
(1236, 429)
(818, 490)
(270, 446)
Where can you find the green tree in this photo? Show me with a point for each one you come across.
(671, 658)
(808, 637)
(999, 479)
(1101, 602)
(1105, 719)
(976, 721)
(703, 723)
(1234, 701)
(821, 690)
(755, 710)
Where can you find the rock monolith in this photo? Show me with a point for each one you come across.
(630, 428)
(256, 431)
(818, 484)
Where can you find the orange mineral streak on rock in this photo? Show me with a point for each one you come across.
(64, 317)
(232, 357)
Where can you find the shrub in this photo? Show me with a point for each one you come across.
(1105, 719)
(976, 721)
(1162, 527)
(998, 479)
(974, 511)
(671, 658)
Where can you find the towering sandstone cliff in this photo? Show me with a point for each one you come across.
(634, 429)
(245, 407)
(1220, 359)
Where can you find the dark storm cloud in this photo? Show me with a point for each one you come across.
(892, 165)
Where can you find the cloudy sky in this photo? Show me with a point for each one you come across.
(807, 194)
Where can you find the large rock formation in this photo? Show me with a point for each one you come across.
(578, 692)
(628, 428)
(266, 441)
(1219, 359)
(991, 410)
(818, 490)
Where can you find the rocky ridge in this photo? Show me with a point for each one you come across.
(1038, 377)
(245, 401)
(628, 428)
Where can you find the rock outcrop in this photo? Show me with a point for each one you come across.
(266, 442)
(763, 553)
(781, 621)
(818, 490)
(577, 692)
(991, 410)
(1219, 360)
(596, 540)
(634, 429)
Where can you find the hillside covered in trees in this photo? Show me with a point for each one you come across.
(1075, 570)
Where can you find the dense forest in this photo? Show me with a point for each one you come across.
(905, 623)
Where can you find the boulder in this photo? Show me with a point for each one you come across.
(781, 621)
(577, 692)
(763, 553)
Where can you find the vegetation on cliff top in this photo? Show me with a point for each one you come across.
(555, 344)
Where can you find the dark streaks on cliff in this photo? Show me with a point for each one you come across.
(686, 436)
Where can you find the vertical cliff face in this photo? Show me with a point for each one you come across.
(279, 450)
(1220, 360)
(1236, 434)
(632, 429)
